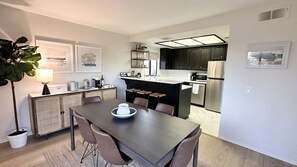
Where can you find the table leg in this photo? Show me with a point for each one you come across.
(72, 130)
(195, 156)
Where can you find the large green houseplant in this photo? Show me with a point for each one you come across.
(17, 59)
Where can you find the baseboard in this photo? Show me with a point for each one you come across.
(285, 159)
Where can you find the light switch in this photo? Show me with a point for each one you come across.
(249, 90)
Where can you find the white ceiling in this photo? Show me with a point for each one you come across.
(130, 17)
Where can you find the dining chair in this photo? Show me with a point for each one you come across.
(93, 99)
(184, 151)
(165, 108)
(109, 149)
(87, 135)
(141, 101)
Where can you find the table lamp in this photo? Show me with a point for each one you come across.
(44, 76)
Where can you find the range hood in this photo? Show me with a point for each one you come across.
(193, 41)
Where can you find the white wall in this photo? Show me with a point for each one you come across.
(14, 23)
(265, 121)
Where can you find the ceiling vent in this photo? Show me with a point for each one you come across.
(274, 14)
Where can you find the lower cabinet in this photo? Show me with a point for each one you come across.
(50, 113)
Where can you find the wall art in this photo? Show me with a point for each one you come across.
(88, 59)
(268, 55)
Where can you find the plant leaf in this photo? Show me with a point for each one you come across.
(3, 81)
(15, 74)
(31, 73)
(24, 67)
(21, 40)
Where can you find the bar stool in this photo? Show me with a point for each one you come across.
(131, 94)
(155, 98)
(143, 93)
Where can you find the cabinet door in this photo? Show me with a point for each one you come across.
(94, 93)
(219, 52)
(194, 57)
(165, 58)
(204, 58)
(69, 100)
(109, 94)
(48, 116)
(180, 58)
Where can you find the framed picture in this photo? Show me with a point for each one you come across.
(55, 55)
(88, 59)
(268, 55)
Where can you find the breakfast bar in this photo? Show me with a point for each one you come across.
(177, 94)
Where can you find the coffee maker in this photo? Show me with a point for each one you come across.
(96, 82)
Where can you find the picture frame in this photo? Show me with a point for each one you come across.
(268, 55)
(55, 55)
(88, 58)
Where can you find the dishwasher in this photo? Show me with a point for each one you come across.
(198, 98)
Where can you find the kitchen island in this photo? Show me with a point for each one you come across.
(177, 94)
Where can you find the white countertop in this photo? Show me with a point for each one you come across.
(156, 79)
(168, 80)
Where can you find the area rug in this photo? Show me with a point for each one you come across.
(63, 157)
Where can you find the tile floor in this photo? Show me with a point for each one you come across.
(209, 120)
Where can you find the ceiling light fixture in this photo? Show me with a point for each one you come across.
(188, 42)
(193, 41)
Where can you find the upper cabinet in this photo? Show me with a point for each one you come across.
(198, 58)
(180, 58)
(191, 58)
(165, 58)
(140, 59)
(219, 52)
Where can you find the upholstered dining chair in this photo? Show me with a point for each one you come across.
(87, 135)
(93, 99)
(184, 151)
(165, 108)
(108, 148)
(141, 101)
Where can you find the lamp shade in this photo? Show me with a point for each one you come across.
(44, 75)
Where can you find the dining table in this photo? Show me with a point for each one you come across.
(149, 137)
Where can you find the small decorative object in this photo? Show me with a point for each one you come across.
(86, 83)
(44, 76)
(268, 55)
(17, 59)
(123, 109)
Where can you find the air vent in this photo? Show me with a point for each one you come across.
(274, 14)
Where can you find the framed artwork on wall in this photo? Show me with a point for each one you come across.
(88, 59)
(268, 55)
(55, 55)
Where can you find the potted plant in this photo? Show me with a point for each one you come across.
(17, 59)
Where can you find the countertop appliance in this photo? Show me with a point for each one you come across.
(198, 76)
(215, 79)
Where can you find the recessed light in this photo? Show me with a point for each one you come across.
(170, 44)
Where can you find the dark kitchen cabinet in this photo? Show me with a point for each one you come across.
(180, 59)
(198, 58)
(165, 58)
(219, 52)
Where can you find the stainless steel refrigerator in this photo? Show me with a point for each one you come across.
(215, 80)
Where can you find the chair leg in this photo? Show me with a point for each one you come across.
(83, 156)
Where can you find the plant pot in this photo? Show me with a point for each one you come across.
(18, 140)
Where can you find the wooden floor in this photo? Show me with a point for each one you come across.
(212, 152)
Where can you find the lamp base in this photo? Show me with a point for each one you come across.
(45, 90)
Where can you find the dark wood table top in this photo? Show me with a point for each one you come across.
(149, 133)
